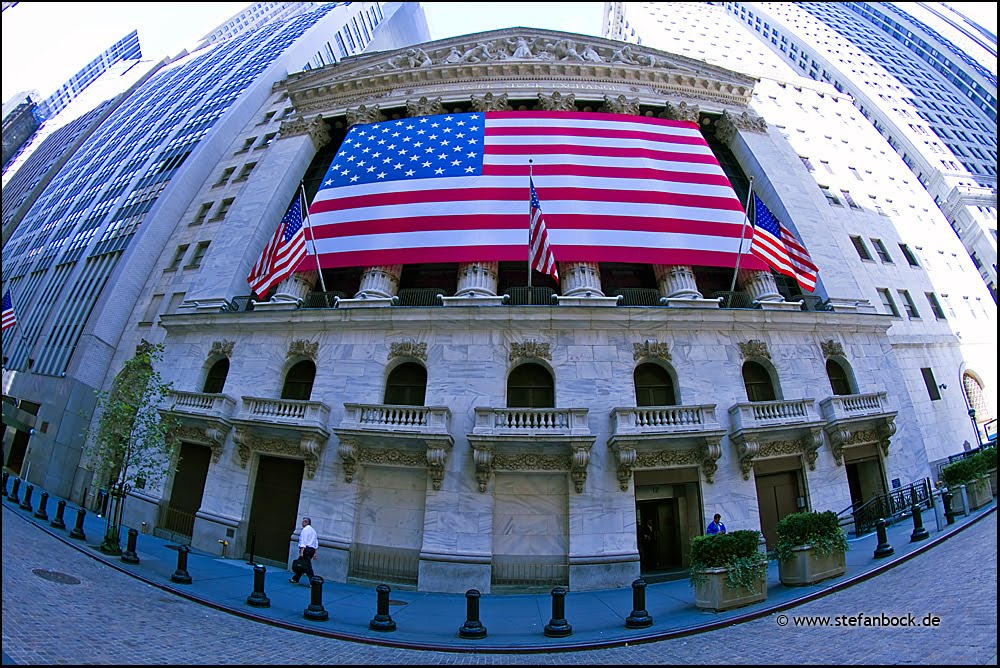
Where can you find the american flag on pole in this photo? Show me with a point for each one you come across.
(450, 188)
(9, 319)
(541, 257)
(282, 253)
(777, 246)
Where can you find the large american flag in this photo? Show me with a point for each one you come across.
(540, 255)
(450, 188)
(777, 246)
(282, 253)
(9, 319)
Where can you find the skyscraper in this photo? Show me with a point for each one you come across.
(922, 74)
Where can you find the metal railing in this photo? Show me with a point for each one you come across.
(736, 299)
(381, 564)
(421, 296)
(518, 574)
(323, 299)
(243, 303)
(889, 506)
(637, 296)
(533, 296)
(177, 521)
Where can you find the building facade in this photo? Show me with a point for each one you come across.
(76, 262)
(922, 74)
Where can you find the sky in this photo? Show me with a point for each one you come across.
(45, 43)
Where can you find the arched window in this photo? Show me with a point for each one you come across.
(757, 382)
(839, 380)
(976, 398)
(406, 385)
(530, 386)
(653, 386)
(216, 378)
(299, 381)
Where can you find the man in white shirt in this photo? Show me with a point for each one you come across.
(308, 544)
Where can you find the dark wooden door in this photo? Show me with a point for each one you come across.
(274, 507)
(188, 488)
(776, 497)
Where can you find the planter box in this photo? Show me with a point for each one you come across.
(992, 475)
(979, 493)
(805, 567)
(713, 594)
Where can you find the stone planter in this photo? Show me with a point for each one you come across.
(714, 594)
(805, 567)
(992, 475)
(979, 493)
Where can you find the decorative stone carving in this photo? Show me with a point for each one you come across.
(490, 102)
(727, 126)
(660, 459)
(314, 127)
(746, 451)
(709, 454)
(578, 467)
(413, 58)
(536, 349)
(308, 447)
(222, 348)
(348, 451)
(621, 105)
(364, 114)
(626, 457)
(483, 51)
(563, 49)
(437, 455)
(522, 48)
(392, 457)
(425, 107)
(530, 462)
(483, 458)
(211, 436)
(681, 112)
(557, 102)
(624, 55)
(885, 431)
(649, 60)
(831, 348)
(648, 349)
(408, 349)
(303, 348)
(754, 348)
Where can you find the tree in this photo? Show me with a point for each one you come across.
(133, 444)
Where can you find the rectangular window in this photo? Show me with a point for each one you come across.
(908, 254)
(826, 166)
(882, 252)
(850, 200)
(225, 176)
(178, 256)
(930, 383)
(245, 172)
(266, 141)
(198, 255)
(911, 308)
(247, 145)
(202, 213)
(807, 163)
(224, 208)
(888, 305)
(935, 306)
(175, 301)
(859, 245)
(830, 197)
(856, 174)
(267, 117)
(152, 309)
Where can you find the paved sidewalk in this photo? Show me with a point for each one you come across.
(514, 623)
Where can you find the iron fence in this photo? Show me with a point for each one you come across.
(380, 564)
(176, 520)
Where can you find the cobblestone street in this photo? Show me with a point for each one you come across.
(111, 618)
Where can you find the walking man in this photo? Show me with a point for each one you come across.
(308, 544)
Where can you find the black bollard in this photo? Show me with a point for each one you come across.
(919, 532)
(258, 599)
(6, 476)
(253, 544)
(42, 513)
(316, 611)
(77, 531)
(558, 627)
(181, 575)
(382, 621)
(58, 522)
(639, 618)
(129, 556)
(883, 549)
(13, 496)
(26, 504)
(949, 516)
(472, 629)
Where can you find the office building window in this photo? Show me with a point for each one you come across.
(908, 254)
(888, 306)
(202, 213)
(911, 308)
(830, 197)
(882, 252)
(935, 306)
(197, 255)
(178, 256)
(931, 384)
(861, 248)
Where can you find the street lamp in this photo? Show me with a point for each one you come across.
(975, 426)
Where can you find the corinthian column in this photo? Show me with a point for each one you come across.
(581, 285)
(760, 285)
(291, 291)
(477, 279)
(676, 281)
(379, 285)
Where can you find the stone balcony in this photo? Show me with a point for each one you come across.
(854, 420)
(204, 418)
(284, 427)
(412, 436)
(764, 429)
(531, 439)
(652, 437)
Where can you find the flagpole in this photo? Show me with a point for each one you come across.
(743, 227)
(529, 226)
(304, 203)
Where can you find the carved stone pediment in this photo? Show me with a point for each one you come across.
(754, 348)
(648, 349)
(408, 349)
(222, 348)
(536, 349)
(508, 60)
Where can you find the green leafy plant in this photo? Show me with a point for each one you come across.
(821, 530)
(735, 551)
(988, 457)
(964, 471)
(132, 444)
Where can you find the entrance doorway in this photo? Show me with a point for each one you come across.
(671, 500)
(187, 489)
(778, 495)
(18, 448)
(865, 477)
(274, 508)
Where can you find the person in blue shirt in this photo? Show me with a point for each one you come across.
(716, 526)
